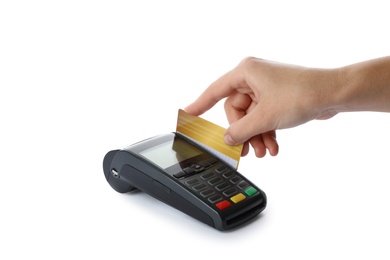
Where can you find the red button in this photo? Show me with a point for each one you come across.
(223, 204)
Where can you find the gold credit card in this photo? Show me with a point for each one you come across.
(210, 136)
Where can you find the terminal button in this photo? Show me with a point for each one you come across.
(230, 192)
(207, 175)
(197, 167)
(179, 174)
(223, 205)
(189, 170)
(235, 179)
(237, 198)
(204, 164)
(215, 181)
(222, 186)
(228, 174)
(192, 182)
(242, 185)
(215, 198)
(250, 191)
(199, 187)
(207, 193)
(221, 169)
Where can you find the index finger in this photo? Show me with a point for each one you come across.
(221, 88)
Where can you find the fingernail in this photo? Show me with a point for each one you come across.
(229, 140)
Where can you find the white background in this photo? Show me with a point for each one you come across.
(79, 78)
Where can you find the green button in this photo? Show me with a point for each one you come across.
(250, 191)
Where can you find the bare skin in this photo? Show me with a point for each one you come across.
(263, 96)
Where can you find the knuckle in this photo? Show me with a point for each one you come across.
(249, 61)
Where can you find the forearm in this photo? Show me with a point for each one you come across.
(364, 86)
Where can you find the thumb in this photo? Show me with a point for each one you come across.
(246, 127)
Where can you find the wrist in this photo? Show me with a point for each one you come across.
(347, 83)
(363, 86)
(325, 99)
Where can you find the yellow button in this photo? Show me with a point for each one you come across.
(237, 198)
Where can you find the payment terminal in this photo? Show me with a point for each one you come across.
(175, 170)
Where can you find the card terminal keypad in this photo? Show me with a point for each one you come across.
(216, 183)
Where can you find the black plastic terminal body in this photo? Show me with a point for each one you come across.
(126, 170)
